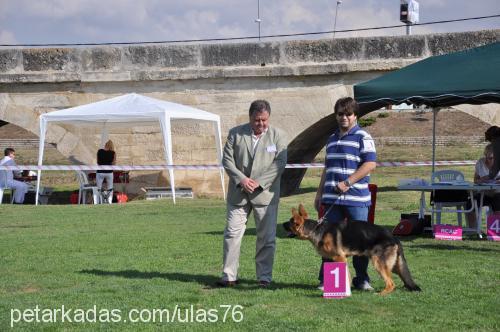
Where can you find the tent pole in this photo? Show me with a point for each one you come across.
(434, 114)
(41, 146)
(218, 144)
(167, 142)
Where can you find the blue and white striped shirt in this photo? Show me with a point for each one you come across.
(344, 155)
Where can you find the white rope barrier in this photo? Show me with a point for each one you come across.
(212, 167)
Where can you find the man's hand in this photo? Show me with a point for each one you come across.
(249, 185)
(341, 187)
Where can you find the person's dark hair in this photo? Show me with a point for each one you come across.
(8, 151)
(346, 105)
(259, 106)
(491, 133)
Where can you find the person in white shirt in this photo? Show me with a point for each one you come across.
(7, 178)
(483, 167)
(481, 175)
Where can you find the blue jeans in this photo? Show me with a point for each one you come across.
(337, 213)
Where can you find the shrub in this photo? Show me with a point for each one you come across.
(365, 122)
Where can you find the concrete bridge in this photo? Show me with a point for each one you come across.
(301, 79)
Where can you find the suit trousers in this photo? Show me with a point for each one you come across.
(265, 221)
(20, 190)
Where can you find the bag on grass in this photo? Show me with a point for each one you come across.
(410, 224)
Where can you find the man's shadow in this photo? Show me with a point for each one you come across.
(207, 281)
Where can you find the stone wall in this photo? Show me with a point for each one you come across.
(440, 140)
(301, 79)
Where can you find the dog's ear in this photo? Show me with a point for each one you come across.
(303, 211)
(297, 218)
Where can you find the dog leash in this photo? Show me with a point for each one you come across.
(322, 219)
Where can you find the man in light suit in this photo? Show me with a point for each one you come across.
(254, 159)
(7, 177)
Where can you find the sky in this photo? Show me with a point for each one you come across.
(105, 21)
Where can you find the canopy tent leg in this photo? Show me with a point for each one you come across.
(167, 144)
(41, 146)
(434, 115)
(218, 144)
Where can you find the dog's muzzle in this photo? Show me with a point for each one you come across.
(288, 227)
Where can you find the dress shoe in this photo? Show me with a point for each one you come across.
(226, 283)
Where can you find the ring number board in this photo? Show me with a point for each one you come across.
(336, 283)
(493, 227)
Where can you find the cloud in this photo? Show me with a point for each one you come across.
(7, 37)
(53, 21)
(295, 13)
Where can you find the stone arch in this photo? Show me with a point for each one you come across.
(24, 112)
(305, 147)
(23, 117)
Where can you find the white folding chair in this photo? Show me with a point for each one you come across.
(85, 187)
(450, 176)
(3, 186)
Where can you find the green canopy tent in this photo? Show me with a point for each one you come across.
(466, 77)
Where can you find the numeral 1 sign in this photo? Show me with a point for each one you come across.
(493, 227)
(336, 281)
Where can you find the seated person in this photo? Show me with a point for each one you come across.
(481, 175)
(20, 188)
(106, 156)
(492, 135)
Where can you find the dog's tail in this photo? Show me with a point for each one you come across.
(401, 268)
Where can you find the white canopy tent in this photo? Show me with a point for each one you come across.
(130, 110)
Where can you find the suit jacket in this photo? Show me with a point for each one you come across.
(6, 177)
(265, 166)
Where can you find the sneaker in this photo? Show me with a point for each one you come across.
(321, 286)
(364, 286)
(264, 284)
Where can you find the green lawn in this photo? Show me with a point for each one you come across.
(154, 255)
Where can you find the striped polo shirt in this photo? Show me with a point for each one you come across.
(344, 155)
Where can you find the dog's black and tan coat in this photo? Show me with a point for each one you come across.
(338, 241)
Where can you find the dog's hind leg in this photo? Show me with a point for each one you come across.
(385, 272)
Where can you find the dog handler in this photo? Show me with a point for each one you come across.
(254, 157)
(106, 156)
(343, 190)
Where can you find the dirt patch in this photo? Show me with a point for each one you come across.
(30, 289)
(419, 124)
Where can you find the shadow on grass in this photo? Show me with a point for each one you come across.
(248, 231)
(280, 232)
(207, 281)
(383, 189)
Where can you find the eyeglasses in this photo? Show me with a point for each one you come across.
(340, 114)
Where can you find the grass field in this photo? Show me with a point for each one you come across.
(148, 255)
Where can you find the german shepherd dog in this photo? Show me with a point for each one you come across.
(338, 241)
